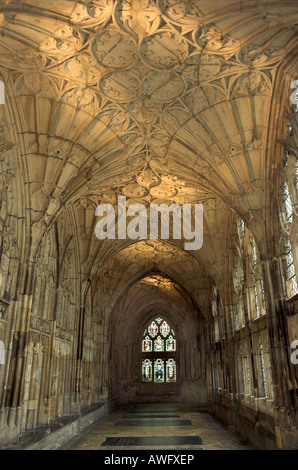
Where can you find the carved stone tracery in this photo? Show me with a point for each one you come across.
(156, 100)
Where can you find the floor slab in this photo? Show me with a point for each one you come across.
(125, 428)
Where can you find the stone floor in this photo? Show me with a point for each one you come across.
(159, 427)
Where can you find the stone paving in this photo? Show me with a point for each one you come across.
(172, 426)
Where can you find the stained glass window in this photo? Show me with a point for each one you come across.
(147, 370)
(171, 370)
(159, 370)
(147, 344)
(164, 329)
(159, 352)
(159, 344)
(153, 329)
(170, 344)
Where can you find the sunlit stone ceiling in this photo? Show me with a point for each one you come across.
(159, 101)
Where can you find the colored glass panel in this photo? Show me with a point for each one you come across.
(158, 344)
(147, 344)
(147, 370)
(158, 370)
(171, 370)
(164, 329)
(170, 344)
(153, 329)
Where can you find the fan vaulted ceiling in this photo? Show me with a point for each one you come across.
(160, 101)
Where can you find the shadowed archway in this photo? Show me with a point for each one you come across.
(151, 297)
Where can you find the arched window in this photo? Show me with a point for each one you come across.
(289, 268)
(290, 177)
(287, 203)
(294, 94)
(238, 281)
(257, 282)
(159, 353)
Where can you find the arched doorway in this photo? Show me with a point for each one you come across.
(175, 359)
